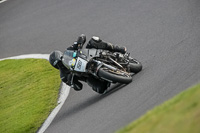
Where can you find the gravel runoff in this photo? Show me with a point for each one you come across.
(64, 90)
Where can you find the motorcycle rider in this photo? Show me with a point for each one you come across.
(66, 75)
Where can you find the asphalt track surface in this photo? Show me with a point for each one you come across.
(163, 34)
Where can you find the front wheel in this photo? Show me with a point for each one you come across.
(135, 66)
(115, 76)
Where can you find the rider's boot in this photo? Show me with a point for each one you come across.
(115, 48)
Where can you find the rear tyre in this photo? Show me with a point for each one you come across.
(118, 76)
(135, 66)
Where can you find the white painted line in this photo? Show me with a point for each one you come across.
(34, 56)
(1, 1)
(63, 96)
(64, 90)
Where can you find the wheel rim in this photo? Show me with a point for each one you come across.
(118, 72)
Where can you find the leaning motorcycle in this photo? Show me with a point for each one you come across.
(109, 67)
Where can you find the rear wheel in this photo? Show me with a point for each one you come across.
(115, 76)
(135, 66)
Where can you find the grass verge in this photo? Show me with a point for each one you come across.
(28, 92)
(181, 114)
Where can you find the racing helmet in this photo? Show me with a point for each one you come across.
(55, 58)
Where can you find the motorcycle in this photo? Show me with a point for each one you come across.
(110, 67)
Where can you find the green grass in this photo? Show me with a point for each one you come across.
(28, 92)
(180, 114)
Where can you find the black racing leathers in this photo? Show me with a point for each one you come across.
(96, 42)
(66, 76)
(97, 85)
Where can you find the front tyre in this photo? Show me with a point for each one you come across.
(115, 76)
(135, 66)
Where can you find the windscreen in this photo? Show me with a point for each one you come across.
(68, 59)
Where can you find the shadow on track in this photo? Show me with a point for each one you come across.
(88, 102)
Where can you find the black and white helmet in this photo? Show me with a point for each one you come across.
(55, 58)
